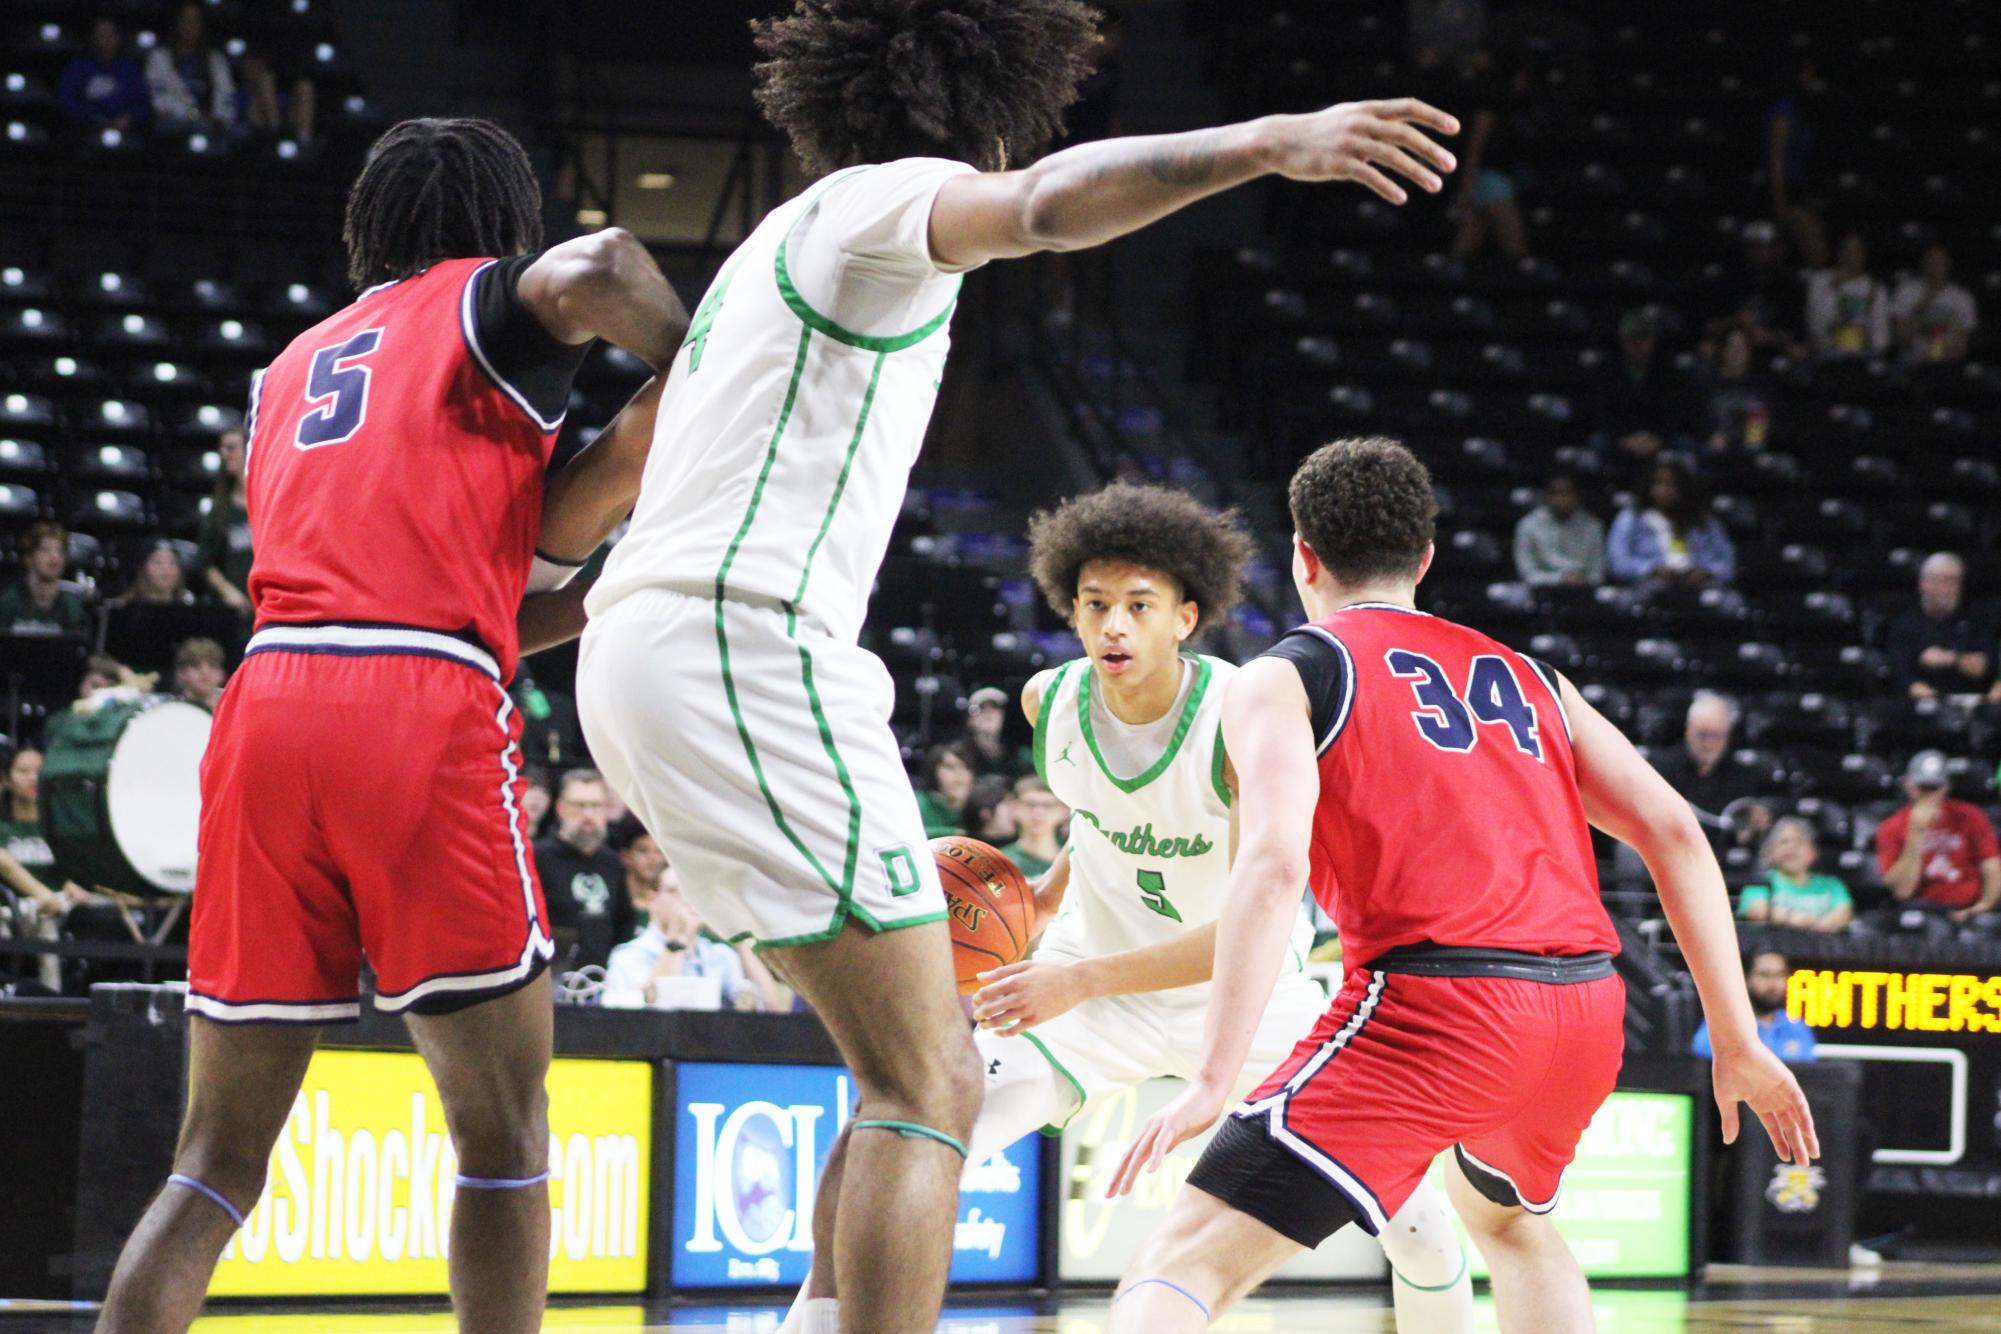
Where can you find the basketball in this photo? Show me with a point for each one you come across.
(992, 908)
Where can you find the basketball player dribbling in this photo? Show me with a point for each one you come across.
(1129, 738)
(721, 684)
(361, 789)
(1440, 788)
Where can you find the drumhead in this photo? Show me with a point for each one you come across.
(152, 793)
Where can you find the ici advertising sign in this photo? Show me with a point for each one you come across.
(749, 1143)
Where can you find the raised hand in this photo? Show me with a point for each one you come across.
(1361, 141)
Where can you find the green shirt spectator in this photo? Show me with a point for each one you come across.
(1793, 895)
(39, 603)
(224, 541)
(948, 783)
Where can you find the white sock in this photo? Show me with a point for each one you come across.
(1432, 1290)
(813, 1315)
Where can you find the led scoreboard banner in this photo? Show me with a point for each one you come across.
(1924, 1022)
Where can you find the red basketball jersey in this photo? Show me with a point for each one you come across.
(393, 476)
(1449, 810)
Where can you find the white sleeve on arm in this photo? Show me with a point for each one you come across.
(862, 256)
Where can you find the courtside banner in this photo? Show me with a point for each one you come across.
(1625, 1203)
(359, 1200)
(749, 1143)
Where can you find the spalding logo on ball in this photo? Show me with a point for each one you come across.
(990, 908)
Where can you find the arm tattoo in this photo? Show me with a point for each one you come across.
(1183, 166)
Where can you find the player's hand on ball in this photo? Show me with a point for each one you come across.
(1756, 1077)
(1175, 1124)
(1364, 141)
(1019, 996)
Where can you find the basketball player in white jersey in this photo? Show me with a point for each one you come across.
(720, 681)
(1130, 738)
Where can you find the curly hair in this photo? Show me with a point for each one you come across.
(979, 81)
(1365, 507)
(434, 189)
(1202, 551)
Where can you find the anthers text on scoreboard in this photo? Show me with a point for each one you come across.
(1895, 1002)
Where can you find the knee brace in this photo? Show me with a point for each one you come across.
(215, 1196)
(911, 1130)
(1421, 1246)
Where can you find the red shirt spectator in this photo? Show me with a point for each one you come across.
(1957, 862)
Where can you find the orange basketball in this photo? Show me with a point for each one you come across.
(992, 908)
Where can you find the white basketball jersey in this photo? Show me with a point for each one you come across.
(1149, 852)
(785, 441)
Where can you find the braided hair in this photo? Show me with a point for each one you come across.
(435, 189)
(979, 81)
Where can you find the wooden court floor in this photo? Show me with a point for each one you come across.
(1901, 1298)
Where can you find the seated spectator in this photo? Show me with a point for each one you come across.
(1039, 815)
(1487, 203)
(224, 540)
(189, 80)
(101, 671)
(582, 879)
(1737, 401)
(986, 727)
(200, 672)
(989, 813)
(104, 89)
(1939, 853)
(672, 945)
(1792, 894)
(1642, 401)
(160, 581)
(1933, 316)
(948, 782)
(27, 866)
(1559, 541)
(1847, 310)
(1674, 541)
(1765, 976)
(1722, 789)
(1938, 647)
(39, 604)
(641, 857)
(537, 796)
(273, 112)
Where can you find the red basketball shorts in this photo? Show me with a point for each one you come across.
(361, 797)
(1403, 1066)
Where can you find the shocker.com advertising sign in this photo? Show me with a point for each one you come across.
(749, 1143)
(361, 1188)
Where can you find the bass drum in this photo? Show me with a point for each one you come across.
(121, 793)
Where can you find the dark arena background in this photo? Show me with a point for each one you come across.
(1694, 344)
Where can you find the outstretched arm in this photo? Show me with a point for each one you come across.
(1091, 194)
(1018, 996)
(1628, 800)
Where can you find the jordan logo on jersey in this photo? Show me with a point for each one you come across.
(1141, 841)
(1064, 756)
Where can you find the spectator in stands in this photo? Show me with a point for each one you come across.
(1039, 815)
(105, 88)
(642, 858)
(1933, 316)
(224, 541)
(160, 580)
(948, 783)
(582, 879)
(672, 945)
(1737, 400)
(39, 604)
(537, 796)
(986, 727)
(27, 866)
(1847, 310)
(1487, 203)
(1674, 541)
(190, 82)
(1642, 401)
(266, 108)
(1765, 975)
(1723, 790)
(1938, 853)
(101, 671)
(1559, 541)
(1939, 647)
(1789, 141)
(989, 813)
(1792, 894)
(200, 672)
